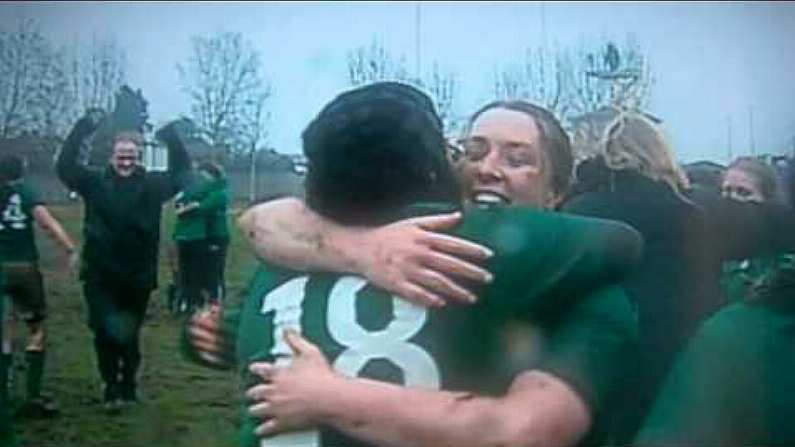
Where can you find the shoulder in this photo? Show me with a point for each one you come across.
(27, 192)
(732, 332)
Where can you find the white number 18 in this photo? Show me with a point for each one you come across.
(391, 343)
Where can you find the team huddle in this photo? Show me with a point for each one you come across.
(513, 288)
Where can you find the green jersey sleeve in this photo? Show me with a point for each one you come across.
(592, 346)
(544, 260)
(30, 197)
(732, 385)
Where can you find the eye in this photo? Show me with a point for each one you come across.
(474, 148)
(520, 155)
(743, 192)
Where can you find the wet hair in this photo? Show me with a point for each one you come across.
(555, 143)
(11, 168)
(763, 174)
(373, 150)
(634, 141)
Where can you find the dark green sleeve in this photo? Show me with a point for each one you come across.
(592, 346)
(544, 260)
(30, 198)
(705, 386)
(213, 200)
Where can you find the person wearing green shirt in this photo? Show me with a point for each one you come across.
(202, 235)
(543, 263)
(20, 207)
(733, 384)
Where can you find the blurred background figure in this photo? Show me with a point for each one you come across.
(751, 180)
(627, 172)
(202, 236)
(20, 206)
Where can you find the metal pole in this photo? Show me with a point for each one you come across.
(751, 130)
(252, 181)
(729, 130)
(417, 24)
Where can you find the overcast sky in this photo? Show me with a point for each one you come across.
(713, 61)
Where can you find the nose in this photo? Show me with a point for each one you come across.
(487, 169)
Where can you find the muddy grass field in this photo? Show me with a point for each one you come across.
(181, 404)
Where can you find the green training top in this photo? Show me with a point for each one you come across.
(733, 385)
(209, 219)
(545, 264)
(17, 240)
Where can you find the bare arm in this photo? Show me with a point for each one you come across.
(56, 231)
(407, 258)
(53, 228)
(538, 409)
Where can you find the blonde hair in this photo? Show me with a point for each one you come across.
(631, 140)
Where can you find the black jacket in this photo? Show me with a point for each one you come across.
(687, 238)
(121, 230)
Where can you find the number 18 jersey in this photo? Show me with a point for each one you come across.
(543, 263)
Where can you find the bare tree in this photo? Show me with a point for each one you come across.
(368, 64)
(99, 72)
(443, 88)
(375, 63)
(74, 79)
(609, 74)
(224, 81)
(252, 122)
(24, 53)
(538, 78)
(576, 80)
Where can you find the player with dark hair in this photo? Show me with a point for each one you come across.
(20, 206)
(120, 245)
(371, 153)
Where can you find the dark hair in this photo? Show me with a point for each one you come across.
(372, 151)
(554, 140)
(11, 168)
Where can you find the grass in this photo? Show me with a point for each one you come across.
(182, 404)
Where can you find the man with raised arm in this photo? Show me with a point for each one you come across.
(121, 234)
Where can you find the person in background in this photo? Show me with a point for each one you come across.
(121, 235)
(629, 174)
(750, 180)
(733, 384)
(20, 207)
(202, 236)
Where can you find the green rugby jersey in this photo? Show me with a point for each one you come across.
(17, 241)
(543, 263)
(734, 384)
(209, 219)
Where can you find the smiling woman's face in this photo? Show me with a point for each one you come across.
(504, 163)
